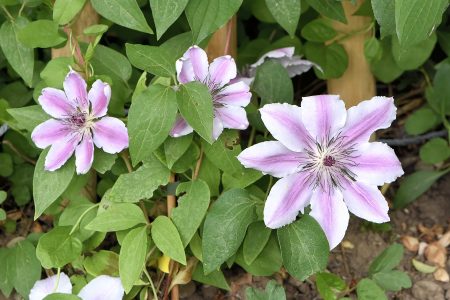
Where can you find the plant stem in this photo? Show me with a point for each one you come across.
(58, 275)
(198, 164)
(252, 137)
(269, 186)
(10, 17)
(81, 217)
(155, 294)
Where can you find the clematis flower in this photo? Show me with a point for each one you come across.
(229, 98)
(79, 122)
(324, 158)
(101, 287)
(293, 64)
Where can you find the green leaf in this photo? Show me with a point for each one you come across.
(174, 148)
(438, 96)
(413, 57)
(384, 12)
(329, 8)
(28, 117)
(103, 161)
(165, 13)
(206, 16)
(96, 29)
(224, 151)
(273, 291)
(393, 280)
(414, 185)
(423, 268)
(3, 196)
(255, 241)
(48, 186)
(240, 179)
(191, 209)
(215, 278)
(151, 117)
(139, 184)
(195, 104)
(332, 59)
(64, 11)
(102, 262)
(132, 256)
(372, 49)
(123, 12)
(387, 260)
(444, 40)
(304, 247)
(6, 164)
(318, 30)
(27, 268)
(152, 59)
(167, 239)
(367, 289)
(41, 34)
(210, 174)
(286, 13)
(57, 248)
(329, 285)
(109, 62)
(7, 270)
(421, 120)
(273, 84)
(56, 70)
(118, 216)
(435, 151)
(60, 296)
(386, 69)
(225, 227)
(20, 57)
(407, 12)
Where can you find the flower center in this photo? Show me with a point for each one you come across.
(78, 119)
(329, 161)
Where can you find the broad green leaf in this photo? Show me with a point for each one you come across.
(118, 216)
(28, 117)
(367, 289)
(273, 84)
(56, 70)
(41, 34)
(139, 184)
(206, 16)
(174, 148)
(413, 57)
(165, 13)
(421, 120)
(215, 278)
(224, 151)
(123, 12)
(27, 268)
(188, 160)
(3, 196)
(103, 161)
(318, 30)
(6, 164)
(167, 239)
(109, 62)
(64, 11)
(329, 285)
(78, 207)
(255, 241)
(102, 262)
(286, 13)
(438, 96)
(225, 227)
(177, 46)
(132, 256)
(20, 57)
(191, 209)
(387, 260)
(444, 40)
(372, 49)
(329, 8)
(304, 247)
(273, 291)
(384, 12)
(414, 185)
(195, 104)
(151, 117)
(407, 12)
(95, 29)
(435, 151)
(7, 270)
(386, 69)
(48, 186)
(210, 174)
(393, 280)
(57, 248)
(60, 296)
(260, 10)
(332, 59)
(240, 179)
(152, 59)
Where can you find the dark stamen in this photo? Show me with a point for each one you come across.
(329, 161)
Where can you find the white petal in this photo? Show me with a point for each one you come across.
(102, 287)
(45, 287)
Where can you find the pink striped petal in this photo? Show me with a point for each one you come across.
(277, 53)
(84, 154)
(49, 132)
(217, 128)
(75, 88)
(233, 117)
(102, 287)
(43, 288)
(288, 196)
(60, 152)
(367, 117)
(222, 70)
(284, 121)
(110, 134)
(271, 158)
(237, 94)
(55, 103)
(331, 213)
(193, 65)
(323, 115)
(180, 128)
(99, 96)
(376, 164)
(365, 201)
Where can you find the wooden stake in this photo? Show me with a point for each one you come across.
(357, 83)
(223, 41)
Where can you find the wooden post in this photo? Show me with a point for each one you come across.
(357, 83)
(223, 41)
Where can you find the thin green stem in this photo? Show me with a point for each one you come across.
(21, 8)
(252, 137)
(81, 217)
(155, 294)
(58, 275)
(7, 13)
(269, 186)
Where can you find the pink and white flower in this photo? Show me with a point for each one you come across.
(324, 158)
(229, 98)
(101, 287)
(79, 122)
